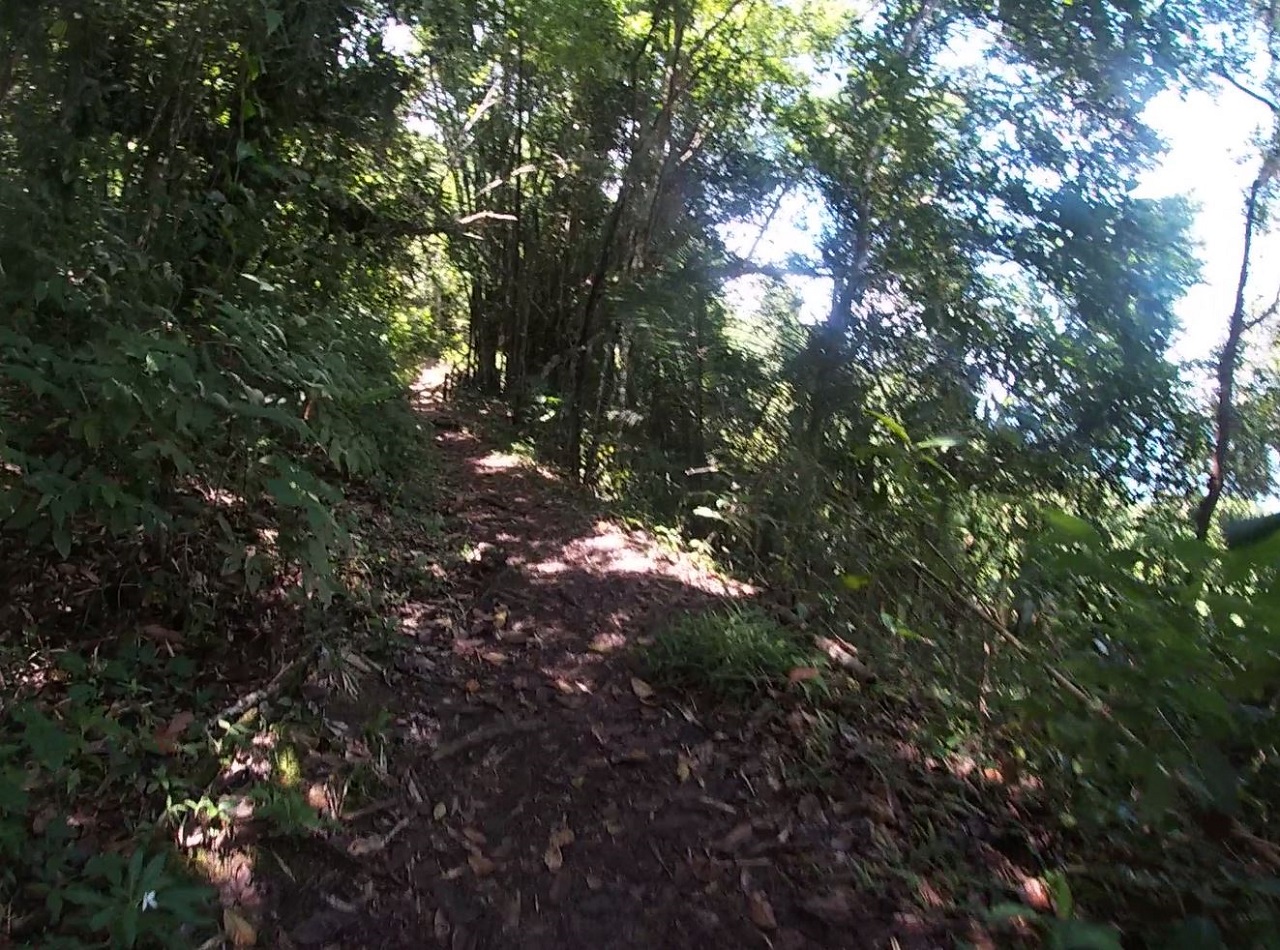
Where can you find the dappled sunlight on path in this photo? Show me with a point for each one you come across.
(545, 795)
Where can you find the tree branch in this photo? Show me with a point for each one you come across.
(1251, 93)
(744, 267)
(1265, 315)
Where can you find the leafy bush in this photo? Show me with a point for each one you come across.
(727, 652)
(61, 887)
(227, 335)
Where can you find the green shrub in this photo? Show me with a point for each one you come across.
(727, 652)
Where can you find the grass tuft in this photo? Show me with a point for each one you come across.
(729, 652)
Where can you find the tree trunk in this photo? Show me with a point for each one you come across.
(1229, 365)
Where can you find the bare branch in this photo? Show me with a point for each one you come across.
(1251, 93)
(485, 216)
(1265, 315)
(768, 220)
(744, 267)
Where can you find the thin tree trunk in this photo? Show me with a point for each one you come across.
(1229, 365)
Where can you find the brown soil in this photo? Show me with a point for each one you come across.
(542, 797)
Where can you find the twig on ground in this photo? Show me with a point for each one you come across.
(277, 684)
(372, 809)
(485, 734)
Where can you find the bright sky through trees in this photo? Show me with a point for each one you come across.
(1211, 160)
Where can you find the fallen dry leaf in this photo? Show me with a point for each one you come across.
(357, 662)
(929, 894)
(318, 796)
(371, 844)
(844, 655)
(834, 907)
(761, 911)
(810, 808)
(500, 618)
(411, 787)
(1036, 894)
(494, 657)
(161, 633)
(563, 837)
(239, 931)
(553, 858)
(607, 643)
(802, 674)
(643, 691)
(736, 838)
(481, 866)
(472, 686)
(167, 737)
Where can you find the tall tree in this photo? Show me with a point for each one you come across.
(1241, 320)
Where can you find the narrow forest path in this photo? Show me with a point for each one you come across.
(544, 797)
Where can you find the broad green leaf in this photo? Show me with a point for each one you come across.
(1060, 890)
(942, 442)
(47, 740)
(1069, 525)
(1083, 935)
(62, 540)
(894, 426)
(13, 798)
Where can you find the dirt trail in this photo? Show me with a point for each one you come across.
(545, 798)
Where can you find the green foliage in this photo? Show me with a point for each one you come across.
(1062, 930)
(1173, 643)
(286, 809)
(729, 652)
(206, 310)
(138, 901)
(73, 895)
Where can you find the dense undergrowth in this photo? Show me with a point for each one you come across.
(214, 271)
(143, 736)
(1121, 709)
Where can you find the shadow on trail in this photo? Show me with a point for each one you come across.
(549, 799)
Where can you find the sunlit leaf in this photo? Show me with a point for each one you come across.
(894, 426)
(1069, 525)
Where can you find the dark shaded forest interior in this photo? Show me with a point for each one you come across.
(451, 494)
